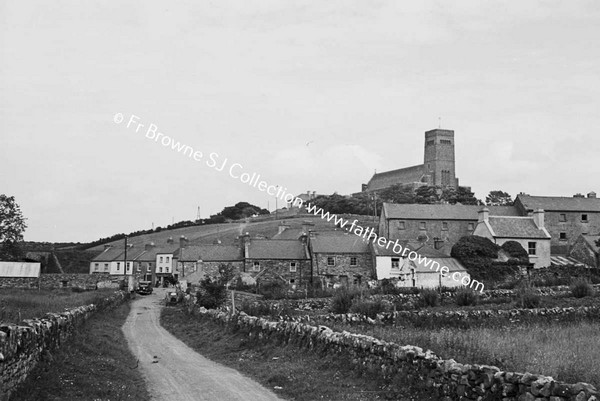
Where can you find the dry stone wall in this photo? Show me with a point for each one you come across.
(22, 345)
(52, 281)
(451, 380)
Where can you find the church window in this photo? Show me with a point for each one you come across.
(445, 142)
(423, 225)
(401, 225)
(445, 225)
(431, 142)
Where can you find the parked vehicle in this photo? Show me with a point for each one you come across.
(174, 296)
(144, 288)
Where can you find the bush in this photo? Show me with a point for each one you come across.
(368, 308)
(273, 290)
(582, 288)
(466, 297)
(515, 250)
(528, 298)
(342, 301)
(429, 297)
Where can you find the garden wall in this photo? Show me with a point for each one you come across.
(451, 380)
(85, 281)
(22, 346)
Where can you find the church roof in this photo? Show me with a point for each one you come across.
(401, 176)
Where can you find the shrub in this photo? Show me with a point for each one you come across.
(528, 298)
(368, 308)
(582, 288)
(342, 301)
(273, 290)
(515, 250)
(466, 297)
(429, 297)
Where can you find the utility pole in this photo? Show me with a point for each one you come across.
(125, 263)
(276, 202)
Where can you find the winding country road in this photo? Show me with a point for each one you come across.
(174, 371)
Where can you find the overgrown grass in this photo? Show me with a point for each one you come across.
(567, 351)
(96, 364)
(291, 372)
(19, 304)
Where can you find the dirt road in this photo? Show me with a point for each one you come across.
(179, 372)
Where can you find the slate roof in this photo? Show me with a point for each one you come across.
(289, 233)
(516, 227)
(591, 240)
(443, 212)
(150, 255)
(339, 243)
(400, 176)
(211, 253)
(559, 203)
(276, 249)
(110, 254)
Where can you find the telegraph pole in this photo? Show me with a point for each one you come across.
(125, 264)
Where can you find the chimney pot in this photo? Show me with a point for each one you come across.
(484, 215)
(538, 218)
(591, 195)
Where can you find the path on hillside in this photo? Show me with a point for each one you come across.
(180, 373)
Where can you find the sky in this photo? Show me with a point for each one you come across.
(311, 95)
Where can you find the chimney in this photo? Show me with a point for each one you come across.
(483, 215)
(304, 238)
(438, 243)
(307, 226)
(183, 241)
(591, 195)
(578, 195)
(314, 194)
(538, 218)
(246, 243)
(149, 246)
(170, 240)
(307, 195)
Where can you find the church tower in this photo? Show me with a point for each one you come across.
(439, 157)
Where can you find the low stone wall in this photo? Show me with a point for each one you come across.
(451, 380)
(52, 281)
(22, 346)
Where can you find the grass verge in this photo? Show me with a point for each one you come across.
(95, 364)
(291, 372)
(18, 304)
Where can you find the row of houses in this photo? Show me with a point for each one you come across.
(549, 228)
(293, 257)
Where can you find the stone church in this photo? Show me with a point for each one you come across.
(438, 167)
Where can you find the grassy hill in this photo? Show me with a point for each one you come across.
(227, 233)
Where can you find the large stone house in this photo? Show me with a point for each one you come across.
(438, 166)
(565, 218)
(194, 262)
(341, 259)
(439, 226)
(529, 231)
(284, 261)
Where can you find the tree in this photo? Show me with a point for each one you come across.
(213, 290)
(427, 195)
(398, 194)
(498, 198)
(12, 226)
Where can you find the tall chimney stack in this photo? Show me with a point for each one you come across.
(484, 215)
(538, 218)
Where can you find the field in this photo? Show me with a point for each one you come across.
(228, 232)
(19, 304)
(567, 351)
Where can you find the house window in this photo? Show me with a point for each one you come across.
(139, 269)
(292, 267)
(353, 262)
(422, 225)
(401, 225)
(444, 225)
(167, 259)
(256, 266)
(562, 236)
(118, 265)
(471, 226)
(531, 246)
(292, 281)
(330, 261)
(106, 266)
(584, 218)
(562, 217)
(160, 269)
(160, 260)
(395, 263)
